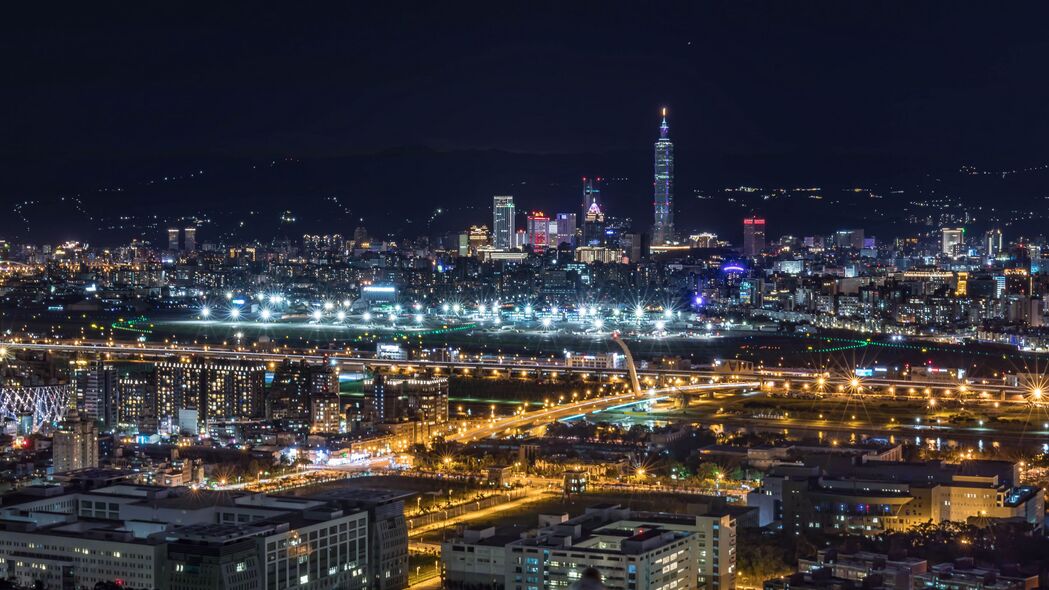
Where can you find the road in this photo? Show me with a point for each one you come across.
(533, 495)
(496, 365)
(589, 406)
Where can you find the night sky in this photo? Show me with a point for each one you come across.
(756, 92)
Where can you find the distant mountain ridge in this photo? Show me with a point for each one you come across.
(398, 192)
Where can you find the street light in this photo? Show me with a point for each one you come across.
(205, 312)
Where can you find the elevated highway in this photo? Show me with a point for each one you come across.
(589, 406)
(770, 379)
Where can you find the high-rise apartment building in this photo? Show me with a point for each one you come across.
(503, 215)
(97, 393)
(75, 445)
(295, 386)
(137, 394)
(217, 390)
(663, 229)
(391, 400)
(753, 237)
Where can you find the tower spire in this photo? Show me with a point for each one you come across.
(663, 229)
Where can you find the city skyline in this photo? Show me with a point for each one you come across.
(525, 297)
(897, 101)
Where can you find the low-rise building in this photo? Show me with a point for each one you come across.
(962, 574)
(875, 497)
(158, 537)
(895, 573)
(631, 549)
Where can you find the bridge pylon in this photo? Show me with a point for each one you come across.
(635, 385)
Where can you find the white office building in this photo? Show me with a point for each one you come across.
(632, 551)
(181, 539)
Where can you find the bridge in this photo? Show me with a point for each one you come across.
(349, 360)
(770, 379)
(590, 406)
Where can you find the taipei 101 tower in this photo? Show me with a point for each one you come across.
(663, 229)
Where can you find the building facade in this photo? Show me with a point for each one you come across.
(663, 199)
(146, 537)
(632, 550)
(503, 215)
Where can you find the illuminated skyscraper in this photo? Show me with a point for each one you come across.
(566, 226)
(593, 213)
(663, 230)
(993, 242)
(753, 236)
(953, 240)
(503, 222)
(591, 194)
(538, 231)
(190, 239)
(173, 239)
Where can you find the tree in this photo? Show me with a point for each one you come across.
(757, 561)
